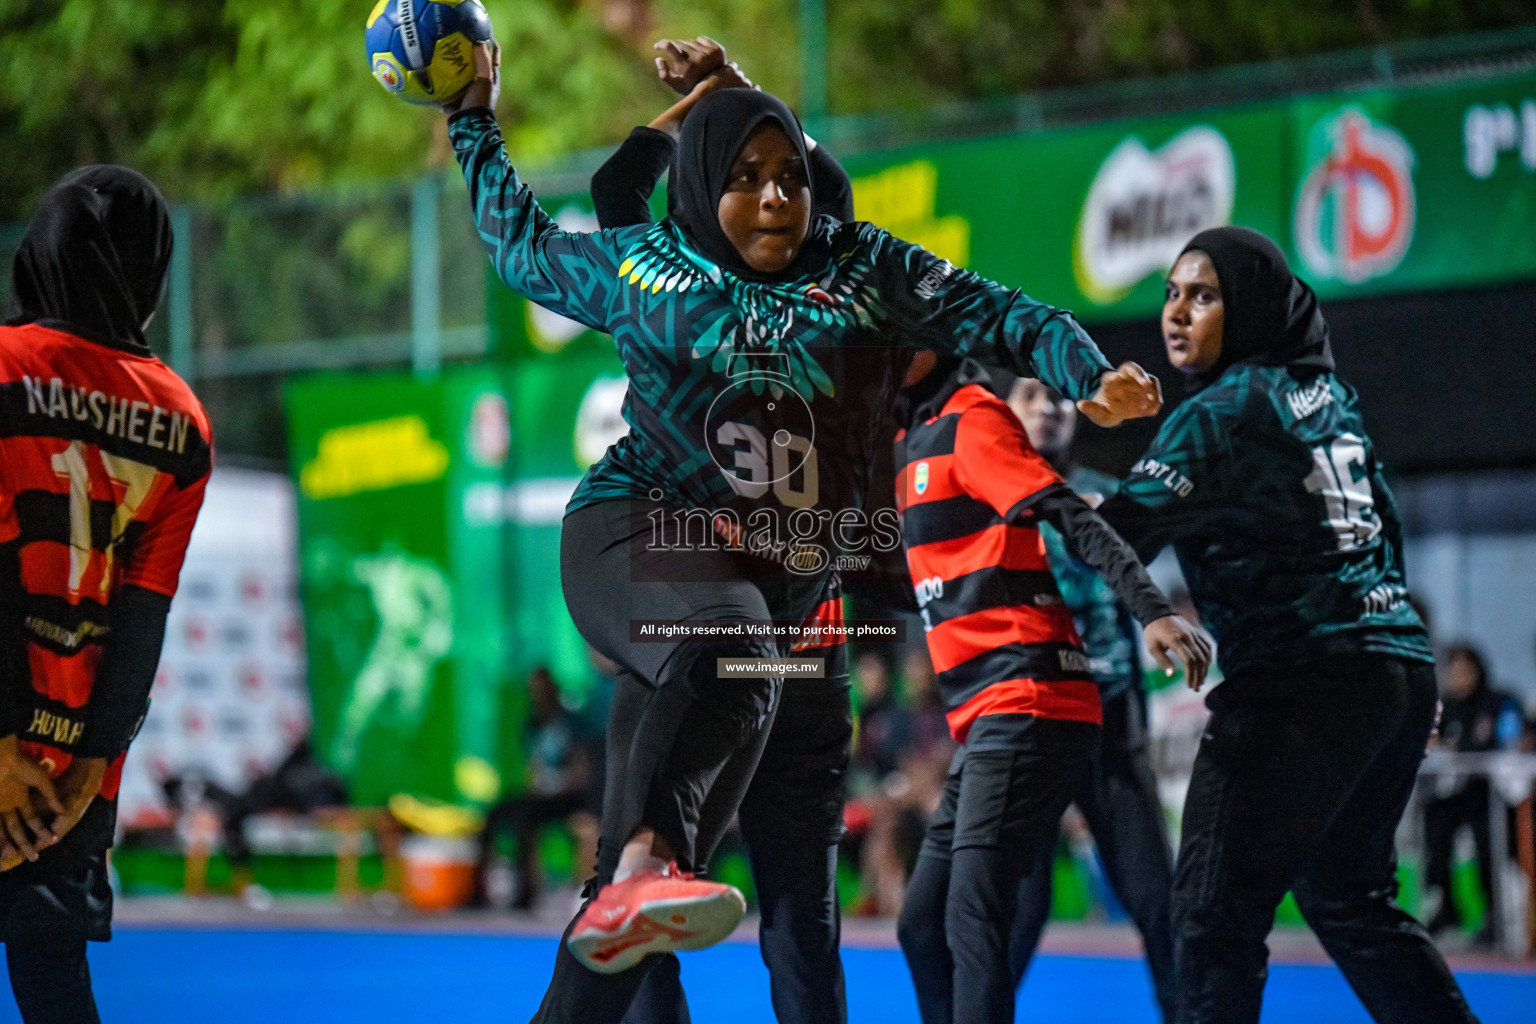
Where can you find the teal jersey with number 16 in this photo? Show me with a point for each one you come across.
(1268, 488)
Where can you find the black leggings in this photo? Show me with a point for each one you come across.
(51, 981)
(1120, 803)
(791, 820)
(683, 744)
(1301, 778)
(1002, 804)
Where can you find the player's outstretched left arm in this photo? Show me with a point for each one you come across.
(995, 463)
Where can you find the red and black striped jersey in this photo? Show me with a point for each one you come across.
(999, 634)
(104, 456)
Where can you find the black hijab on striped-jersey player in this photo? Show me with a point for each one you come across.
(711, 137)
(95, 256)
(1270, 317)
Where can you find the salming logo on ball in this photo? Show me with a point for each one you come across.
(1355, 208)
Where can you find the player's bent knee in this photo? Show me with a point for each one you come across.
(740, 704)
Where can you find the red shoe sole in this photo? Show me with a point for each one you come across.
(660, 926)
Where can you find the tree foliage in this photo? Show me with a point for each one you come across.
(915, 52)
(213, 100)
(217, 99)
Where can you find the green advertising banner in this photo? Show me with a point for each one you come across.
(402, 576)
(1368, 192)
(1087, 218)
(566, 411)
(1415, 189)
(567, 388)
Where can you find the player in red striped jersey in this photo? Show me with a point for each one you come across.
(104, 455)
(1017, 687)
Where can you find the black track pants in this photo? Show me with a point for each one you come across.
(1002, 804)
(1300, 781)
(1120, 803)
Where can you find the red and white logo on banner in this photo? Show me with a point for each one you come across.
(1355, 209)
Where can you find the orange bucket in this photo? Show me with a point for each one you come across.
(439, 873)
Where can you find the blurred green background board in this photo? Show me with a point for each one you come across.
(401, 568)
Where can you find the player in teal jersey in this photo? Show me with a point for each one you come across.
(1266, 485)
(791, 817)
(742, 322)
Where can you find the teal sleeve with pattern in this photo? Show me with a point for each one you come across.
(1169, 488)
(573, 274)
(934, 304)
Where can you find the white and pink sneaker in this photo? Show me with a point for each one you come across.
(653, 912)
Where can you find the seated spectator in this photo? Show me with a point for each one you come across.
(563, 784)
(1475, 719)
(884, 726)
(300, 784)
(901, 758)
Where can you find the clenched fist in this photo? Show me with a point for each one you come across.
(1127, 393)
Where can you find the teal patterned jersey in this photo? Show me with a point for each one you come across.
(1268, 488)
(1110, 634)
(748, 395)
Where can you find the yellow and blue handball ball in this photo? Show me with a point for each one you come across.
(423, 50)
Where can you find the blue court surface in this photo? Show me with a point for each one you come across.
(274, 976)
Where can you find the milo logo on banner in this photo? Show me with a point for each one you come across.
(1145, 204)
(1355, 208)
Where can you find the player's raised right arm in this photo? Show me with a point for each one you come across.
(570, 273)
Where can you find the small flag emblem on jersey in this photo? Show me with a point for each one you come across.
(920, 478)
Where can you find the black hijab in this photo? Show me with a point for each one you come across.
(713, 133)
(95, 256)
(1271, 317)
